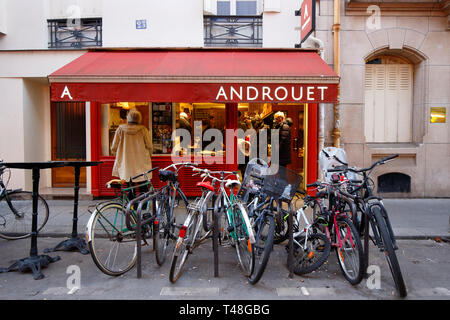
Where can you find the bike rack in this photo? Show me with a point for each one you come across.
(142, 199)
(215, 240)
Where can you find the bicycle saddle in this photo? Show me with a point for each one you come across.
(114, 183)
(165, 175)
(206, 185)
(232, 183)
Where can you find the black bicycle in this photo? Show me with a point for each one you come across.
(371, 211)
(16, 210)
(166, 201)
(265, 190)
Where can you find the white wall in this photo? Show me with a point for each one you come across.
(25, 24)
(2, 17)
(37, 135)
(170, 23)
(280, 29)
(35, 63)
(11, 122)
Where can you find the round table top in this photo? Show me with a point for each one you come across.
(34, 164)
(48, 164)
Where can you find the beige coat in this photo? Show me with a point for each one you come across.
(133, 148)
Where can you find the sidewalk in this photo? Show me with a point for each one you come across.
(410, 218)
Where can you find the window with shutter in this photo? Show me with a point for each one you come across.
(388, 101)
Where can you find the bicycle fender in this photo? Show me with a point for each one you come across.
(89, 226)
(248, 225)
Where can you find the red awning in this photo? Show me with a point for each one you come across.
(196, 76)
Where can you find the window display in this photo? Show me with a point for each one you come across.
(162, 126)
(114, 114)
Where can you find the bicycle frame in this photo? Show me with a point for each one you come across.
(301, 214)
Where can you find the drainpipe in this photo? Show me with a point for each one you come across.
(336, 45)
(321, 134)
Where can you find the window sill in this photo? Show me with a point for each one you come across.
(404, 145)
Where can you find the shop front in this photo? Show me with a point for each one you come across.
(197, 90)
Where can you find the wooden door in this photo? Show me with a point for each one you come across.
(68, 132)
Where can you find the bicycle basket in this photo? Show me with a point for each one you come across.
(282, 183)
(252, 181)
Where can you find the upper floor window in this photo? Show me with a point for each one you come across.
(238, 23)
(237, 7)
(74, 33)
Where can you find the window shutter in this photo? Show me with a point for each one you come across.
(388, 103)
(405, 103)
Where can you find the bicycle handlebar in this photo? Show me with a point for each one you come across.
(346, 168)
(144, 173)
(182, 164)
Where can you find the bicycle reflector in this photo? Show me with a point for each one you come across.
(182, 232)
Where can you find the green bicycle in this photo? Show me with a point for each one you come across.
(234, 223)
(111, 241)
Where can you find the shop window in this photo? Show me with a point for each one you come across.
(196, 118)
(162, 126)
(394, 182)
(114, 114)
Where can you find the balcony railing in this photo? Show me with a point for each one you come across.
(86, 33)
(232, 31)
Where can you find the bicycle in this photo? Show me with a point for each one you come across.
(371, 211)
(189, 236)
(265, 189)
(111, 239)
(165, 223)
(234, 221)
(339, 228)
(311, 248)
(16, 210)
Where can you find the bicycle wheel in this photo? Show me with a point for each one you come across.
(163, 234)
(16, 214)
(349, 250)
(312, 253)
(112, 246)
(183, 245)
(264, 232)
(389, 251)
(244, 247)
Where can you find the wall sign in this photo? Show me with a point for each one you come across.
(141, 24)
(195, 92)
(307, 15)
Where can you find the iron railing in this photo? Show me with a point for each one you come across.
(232, 31)
(84, 33)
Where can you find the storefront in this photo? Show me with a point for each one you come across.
(196, 90)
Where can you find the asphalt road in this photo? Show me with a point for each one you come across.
(424, 263)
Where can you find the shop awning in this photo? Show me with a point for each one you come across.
(196, 76)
